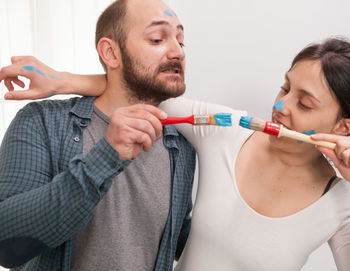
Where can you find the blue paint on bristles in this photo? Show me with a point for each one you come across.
(223, 119)
(245, 121)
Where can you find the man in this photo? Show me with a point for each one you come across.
(76, 190)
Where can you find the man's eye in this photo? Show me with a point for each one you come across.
(182, 44)
(156, 41)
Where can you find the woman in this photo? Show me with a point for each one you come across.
(266, 203)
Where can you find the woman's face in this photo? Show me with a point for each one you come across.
(305, 103)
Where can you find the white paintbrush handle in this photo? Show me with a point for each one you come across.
(305, 138)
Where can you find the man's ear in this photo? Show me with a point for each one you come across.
(109, 52)
(342, 127)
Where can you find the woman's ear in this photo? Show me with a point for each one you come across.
(342, 127)
(109, 52)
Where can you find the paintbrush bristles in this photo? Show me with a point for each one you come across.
(257, 124)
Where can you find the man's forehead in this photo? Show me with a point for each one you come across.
(155, 13)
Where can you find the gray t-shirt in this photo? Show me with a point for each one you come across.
(126, 228)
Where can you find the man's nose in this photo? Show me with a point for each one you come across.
(176, 51)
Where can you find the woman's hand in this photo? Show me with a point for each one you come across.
(341, 155)
(45, 81)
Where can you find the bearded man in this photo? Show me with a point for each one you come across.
(97, 183)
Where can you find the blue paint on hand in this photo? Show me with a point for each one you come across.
(168, 13)
(28, 68)
(223, 119)
(279, 105)
(305, 132)
(40, 72)
(245, 121)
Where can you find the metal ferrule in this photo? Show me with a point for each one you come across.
(201, 120)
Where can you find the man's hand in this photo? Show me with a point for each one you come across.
(44, 81)
(134, 128)
(341, 155)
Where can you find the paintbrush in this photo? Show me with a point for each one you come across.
(220, 119)
(278, 130)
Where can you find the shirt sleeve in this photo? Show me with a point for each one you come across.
(39, 211)
(340, 246)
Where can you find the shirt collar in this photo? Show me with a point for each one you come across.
(83, 107)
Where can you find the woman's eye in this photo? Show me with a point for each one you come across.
(182, 44)
(305, 106)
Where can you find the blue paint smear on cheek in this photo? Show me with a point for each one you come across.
(168, 13)
(279, 105)
(28, 68)
(40, 72)
(305, 132)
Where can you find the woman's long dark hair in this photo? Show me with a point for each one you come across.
(334, 55)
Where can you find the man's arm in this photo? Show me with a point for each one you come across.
(45, 81)
(39, 211)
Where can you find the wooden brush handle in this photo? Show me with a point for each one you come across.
(305, 138)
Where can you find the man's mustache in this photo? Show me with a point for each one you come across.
(170, 66)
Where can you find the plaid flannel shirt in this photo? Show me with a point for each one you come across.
(49, 189)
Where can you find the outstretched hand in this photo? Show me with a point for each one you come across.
(44, 81)
(341, 155)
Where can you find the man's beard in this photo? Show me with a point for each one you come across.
(144, 85)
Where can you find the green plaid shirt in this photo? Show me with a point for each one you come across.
(49, 189)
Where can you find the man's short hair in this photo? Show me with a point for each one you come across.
(112, 24)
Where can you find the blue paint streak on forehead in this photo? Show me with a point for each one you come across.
(305, 132)
(279, 105)
(168, 13)
(28, 68)
(174, 13)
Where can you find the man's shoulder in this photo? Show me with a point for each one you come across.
(50, 108)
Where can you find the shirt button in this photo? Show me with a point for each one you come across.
(76, 139)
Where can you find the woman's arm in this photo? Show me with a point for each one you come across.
(45, 81)
(340, 246)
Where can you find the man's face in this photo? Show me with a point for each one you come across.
(153, 58)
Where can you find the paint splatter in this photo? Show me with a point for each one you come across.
(40, 72)
(279, 105)
(174, 13)
(31, 68)
(305, 132)
(168, 13)
(28, 68)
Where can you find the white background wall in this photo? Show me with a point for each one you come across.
(237, 50)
